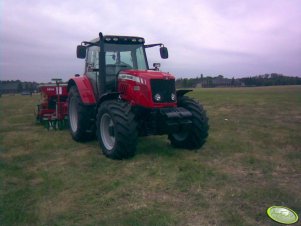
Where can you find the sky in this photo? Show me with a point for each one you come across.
(233, 38)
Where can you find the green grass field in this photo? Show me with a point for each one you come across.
(251, 161)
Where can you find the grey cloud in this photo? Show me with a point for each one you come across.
(234, 38)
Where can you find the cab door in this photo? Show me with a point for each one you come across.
(92, 67)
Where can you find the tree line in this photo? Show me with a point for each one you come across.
(273, 79)
(17, 86)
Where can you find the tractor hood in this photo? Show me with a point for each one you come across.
(147, 88)
(148, 74)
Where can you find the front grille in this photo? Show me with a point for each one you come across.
(164, 88)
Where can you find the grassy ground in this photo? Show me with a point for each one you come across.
(252, 160)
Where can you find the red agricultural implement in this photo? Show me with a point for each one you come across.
(52, 110)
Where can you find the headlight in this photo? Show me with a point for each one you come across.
(173, 97)
(157, 97)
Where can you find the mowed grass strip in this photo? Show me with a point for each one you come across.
(251, 161)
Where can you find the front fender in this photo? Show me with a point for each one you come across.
(182, 92)
(108, 96)
(84, 88)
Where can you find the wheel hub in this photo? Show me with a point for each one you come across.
(107, 131)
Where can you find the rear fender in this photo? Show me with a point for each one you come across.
(84, 88)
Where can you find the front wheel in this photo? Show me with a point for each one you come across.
(195, 136)
(116, 129)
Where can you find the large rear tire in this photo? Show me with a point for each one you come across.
(79, 117)
(196, 136)
(116, 129)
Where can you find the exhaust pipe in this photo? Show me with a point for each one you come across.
(102, 70)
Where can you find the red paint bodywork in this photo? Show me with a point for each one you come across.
(85, 89)
(126, 88)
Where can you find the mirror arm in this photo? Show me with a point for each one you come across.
(88, 43)
(152, 45)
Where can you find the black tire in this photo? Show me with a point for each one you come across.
(196, 136)
(79, 117)
(116, 129)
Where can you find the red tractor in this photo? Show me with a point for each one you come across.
(120, 98)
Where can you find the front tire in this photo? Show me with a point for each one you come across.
(196, 136)
(79, 117)
(116, 129)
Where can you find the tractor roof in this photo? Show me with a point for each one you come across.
(114, 39)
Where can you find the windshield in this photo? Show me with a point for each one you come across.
(125, 56)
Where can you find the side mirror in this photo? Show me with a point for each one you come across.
(163, 52)
(81, 52)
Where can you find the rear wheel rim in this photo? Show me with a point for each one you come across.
(107, 131)
(73, 116)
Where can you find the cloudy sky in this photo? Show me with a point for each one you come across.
(233, 38)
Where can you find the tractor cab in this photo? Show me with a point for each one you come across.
(119, 53)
